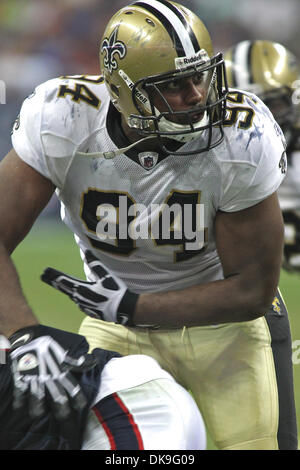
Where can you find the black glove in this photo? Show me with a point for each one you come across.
(41, 369)
(106, 299)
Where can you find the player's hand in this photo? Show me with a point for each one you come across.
(42, 371)
(107, 298)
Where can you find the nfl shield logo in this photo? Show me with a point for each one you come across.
(148, 160)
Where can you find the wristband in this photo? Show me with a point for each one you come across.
(126, 308)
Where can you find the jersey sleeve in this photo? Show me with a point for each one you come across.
(259, 163)
(46, 134)
(26, 138)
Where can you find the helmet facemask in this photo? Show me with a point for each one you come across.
(158, 118)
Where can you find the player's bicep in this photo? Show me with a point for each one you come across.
(250, 244)
(23, 194)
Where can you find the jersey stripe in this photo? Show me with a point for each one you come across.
(118, 423)
(131, 420)
(184, 40)
(106, 428)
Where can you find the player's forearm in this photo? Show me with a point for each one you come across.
(225, 301)
(15, 313)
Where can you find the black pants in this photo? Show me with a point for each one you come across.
(278, 323)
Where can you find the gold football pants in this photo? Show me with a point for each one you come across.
(240, 374)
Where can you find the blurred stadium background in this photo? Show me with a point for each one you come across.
(42, 39)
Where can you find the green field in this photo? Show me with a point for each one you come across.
(53, 245)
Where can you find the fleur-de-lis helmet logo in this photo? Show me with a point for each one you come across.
(112, 47)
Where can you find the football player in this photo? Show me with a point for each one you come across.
(130, 402)
(169, 183)
(272, 72)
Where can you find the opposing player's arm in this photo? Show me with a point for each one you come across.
(249, 244)
(23, 194)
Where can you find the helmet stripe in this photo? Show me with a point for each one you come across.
(186, 25)
(233, 68)
(241, 58)
(182, 38)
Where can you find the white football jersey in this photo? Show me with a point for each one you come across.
(149, 219)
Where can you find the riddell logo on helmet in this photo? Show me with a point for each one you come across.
(140, 96)
(191, 60)
(199, 58)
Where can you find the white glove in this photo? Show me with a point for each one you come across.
(42, 368)
(106, 299)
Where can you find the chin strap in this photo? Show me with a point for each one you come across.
(168, 126)
(114, 153)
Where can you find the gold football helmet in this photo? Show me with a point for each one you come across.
(152, 44)
(270, 71)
